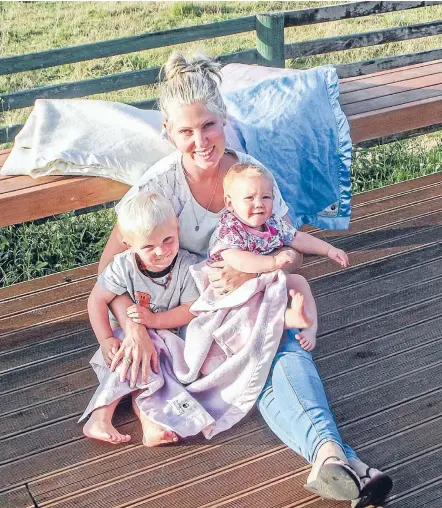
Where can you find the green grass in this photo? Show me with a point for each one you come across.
(29, 251)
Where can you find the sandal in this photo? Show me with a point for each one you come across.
(335, 481)
(375, 492)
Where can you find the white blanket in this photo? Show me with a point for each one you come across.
(91, 138)
(233, 340)
(86, 137)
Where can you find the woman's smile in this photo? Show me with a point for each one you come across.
(204, 153)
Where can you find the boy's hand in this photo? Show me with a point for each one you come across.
(285, 257)
(109, 348)
(141, 315)
(339, 256)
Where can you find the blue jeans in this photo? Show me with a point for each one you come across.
(294, 404)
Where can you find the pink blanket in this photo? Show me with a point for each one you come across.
(211, 380)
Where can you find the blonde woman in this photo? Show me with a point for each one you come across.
(293, 403)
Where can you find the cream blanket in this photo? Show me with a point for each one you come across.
(86, 137)
(91, 138)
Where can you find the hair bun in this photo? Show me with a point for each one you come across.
(178, 63)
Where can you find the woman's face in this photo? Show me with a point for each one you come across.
(198, 134)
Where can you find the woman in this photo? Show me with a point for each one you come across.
(293, 402)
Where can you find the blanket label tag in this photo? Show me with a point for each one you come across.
(331, 210)
(180, 407)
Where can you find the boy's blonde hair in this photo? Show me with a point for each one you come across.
(142, 213)
(244, 170)
(188, 80)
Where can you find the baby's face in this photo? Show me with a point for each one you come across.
(158, 249)
(250, 198)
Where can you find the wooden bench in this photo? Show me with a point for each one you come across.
(377, 105)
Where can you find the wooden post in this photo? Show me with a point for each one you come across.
(270, 39)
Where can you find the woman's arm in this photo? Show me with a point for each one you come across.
(113, 246)
(224, 279)
(137, 347)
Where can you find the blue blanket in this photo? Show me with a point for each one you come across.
(294, 125)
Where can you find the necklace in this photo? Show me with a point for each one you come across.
(198, 222)
(164, 284)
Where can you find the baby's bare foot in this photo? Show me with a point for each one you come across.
(295, 315)
(96, 428)
(307, 339)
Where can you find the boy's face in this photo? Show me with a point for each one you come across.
(250, 199)
(158, 249)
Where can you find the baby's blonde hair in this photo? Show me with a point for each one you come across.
(188, 80)
(142, 213)
(244, 170)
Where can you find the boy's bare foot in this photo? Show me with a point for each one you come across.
(295, 316)
(98, 428)
(307, 339)
(155, 435)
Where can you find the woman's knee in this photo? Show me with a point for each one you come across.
(297, 282)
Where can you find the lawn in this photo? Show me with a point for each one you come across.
(30, 251)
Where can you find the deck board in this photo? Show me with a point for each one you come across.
(379, 353)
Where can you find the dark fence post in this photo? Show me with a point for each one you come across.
(270, 39)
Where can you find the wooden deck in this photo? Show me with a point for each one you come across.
(380, 354)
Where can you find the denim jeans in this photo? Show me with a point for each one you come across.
(294, 404)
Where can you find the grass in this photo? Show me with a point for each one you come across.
(29, 251)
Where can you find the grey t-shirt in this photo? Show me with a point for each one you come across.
(123, 275)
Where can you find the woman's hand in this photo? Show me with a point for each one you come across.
(141, 315)
(136, 350)
(225, 279)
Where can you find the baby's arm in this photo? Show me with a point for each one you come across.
(97, 307)
(308, 244)
(173, 318)
(248, 262)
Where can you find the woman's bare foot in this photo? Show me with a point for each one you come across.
(307, 339)
(99, 426)
(295, 315)
(153, 434)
